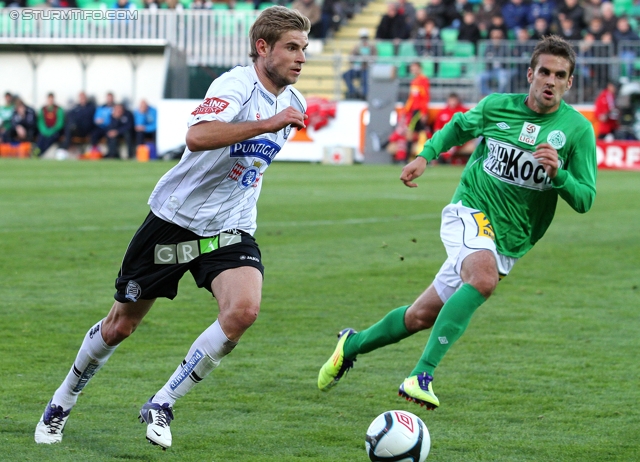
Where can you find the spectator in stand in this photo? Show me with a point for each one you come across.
(488, 9)
(607, 113)
(596, 28)
(78, 122)
(461, 7)
(496, 55)
(146, 121)
(596, 70)
(421, 20)
(6, 112)
(50, 125)
(439, 13)
(427, 43)
(521, 52)
(392, 26)
(609, 18)
(542, 9)
(497, 22)
(469, 30)
(331, 17)
(626, 43)
(174, 5)
(311, 9)
(120, 129)
(568, 30)
(572, 10)
(623, 32)
(124, 5)
(409, 11)
(101, 120)
(359, 59)
(540, 29)
(516, 15)
(24, 124)
(151, 4)
(591, 9)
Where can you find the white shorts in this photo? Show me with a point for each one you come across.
(464, 231)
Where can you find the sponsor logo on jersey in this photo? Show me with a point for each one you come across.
(287, 130)
(266, 97)
(239, 173)
(261, 148)
(529, 133)
(556, 139)
(211, 105)
(249, 257)
(516, 166)
(187, 369)
(503, 126)
(133, 291)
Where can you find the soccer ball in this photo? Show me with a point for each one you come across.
(398, 436)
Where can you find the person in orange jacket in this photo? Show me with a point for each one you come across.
(414, 116)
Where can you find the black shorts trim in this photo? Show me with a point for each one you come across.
(141, 278)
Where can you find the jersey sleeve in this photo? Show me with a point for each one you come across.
(462, 127)
(577, 184)
(223, 100)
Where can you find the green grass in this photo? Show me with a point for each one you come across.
(547, 370)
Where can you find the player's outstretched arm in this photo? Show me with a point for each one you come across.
(413, 170)
(215, 134)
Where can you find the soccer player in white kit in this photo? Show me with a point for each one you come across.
(202, 220)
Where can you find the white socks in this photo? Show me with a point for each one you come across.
(203, 357)
(93, 354)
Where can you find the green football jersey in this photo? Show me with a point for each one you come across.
(502, 178)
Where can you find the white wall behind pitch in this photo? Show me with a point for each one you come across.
(61, 73)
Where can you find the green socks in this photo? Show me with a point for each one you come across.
(449, 326)
(390, 329)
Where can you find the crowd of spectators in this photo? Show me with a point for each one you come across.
(103, 129)
(473, 21)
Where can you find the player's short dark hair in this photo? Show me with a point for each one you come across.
(556, 46)
(272, 24)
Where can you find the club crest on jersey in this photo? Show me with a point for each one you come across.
(211, 105)
(287, 130)
(529, 133)
(515, 166)
(260, 148)
(556, 139)
(133, 291)
(246, 176)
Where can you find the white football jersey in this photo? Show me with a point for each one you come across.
(211, 191)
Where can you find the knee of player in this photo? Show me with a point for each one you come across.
(485, 284)
(119, 330)
(246, 312)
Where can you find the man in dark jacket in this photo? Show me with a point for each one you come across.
(120, 128)
(79, 120)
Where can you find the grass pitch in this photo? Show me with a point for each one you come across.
(547, 370)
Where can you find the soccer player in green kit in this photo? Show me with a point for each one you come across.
(534, 148)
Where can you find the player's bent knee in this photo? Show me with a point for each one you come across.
(485, 285)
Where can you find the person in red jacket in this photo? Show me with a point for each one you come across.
(606, 112)
(454, 104)
(414, 116)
